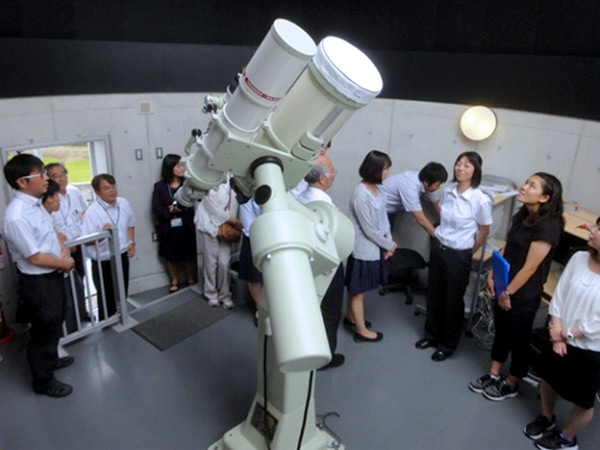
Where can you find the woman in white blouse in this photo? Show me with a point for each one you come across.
(572, 368)
(466, 216)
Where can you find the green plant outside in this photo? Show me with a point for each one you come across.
(79, 169)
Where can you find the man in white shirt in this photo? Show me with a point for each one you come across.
(319, 179)
(41, 261)
(109, 211)
(403, 192)
(68, 220)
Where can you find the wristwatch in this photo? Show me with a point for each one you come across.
(507, 293)
(569, 336)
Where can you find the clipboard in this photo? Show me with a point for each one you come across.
(501, 268)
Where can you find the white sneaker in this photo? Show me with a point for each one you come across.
(228, 304)
(213, 303)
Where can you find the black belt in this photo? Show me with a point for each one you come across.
(45, 275)
(445, 248)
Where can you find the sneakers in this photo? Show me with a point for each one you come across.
(539, 426)
(213, 303)
(478, 385)
(555, 440)
(500, 391)
(228, 304)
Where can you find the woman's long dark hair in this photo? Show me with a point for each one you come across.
(169, 162)
(552, 208)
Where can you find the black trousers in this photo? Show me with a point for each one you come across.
(42, 304)
(448, 279)
(109, 288)
(331, 307)
(513, 333)
(75, 296)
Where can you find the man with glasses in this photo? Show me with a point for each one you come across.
(41, 262)
(69, 220)
(109, 211)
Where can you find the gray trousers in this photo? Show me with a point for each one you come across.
(215, 260)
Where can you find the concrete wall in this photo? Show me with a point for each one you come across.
(412, 133)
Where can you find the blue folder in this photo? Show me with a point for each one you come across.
(501, 268)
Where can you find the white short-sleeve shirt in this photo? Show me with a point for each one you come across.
(69, 219)
(28, 229)
(312, 194)
(403, 192)
(461, 215)
(100, 213)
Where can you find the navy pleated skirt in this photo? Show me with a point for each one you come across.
(363, 276)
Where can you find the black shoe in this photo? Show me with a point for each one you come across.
(352, 325)
(56, 389)
(424, 343)
(61, 363)
(556, 440)
(540, 426)
(361, 338)
(440, 355)
(336, 361)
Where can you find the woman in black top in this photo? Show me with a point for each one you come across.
(532, 239)
(174, 223)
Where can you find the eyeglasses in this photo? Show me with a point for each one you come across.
(42, 174)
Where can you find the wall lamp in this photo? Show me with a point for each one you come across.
(478, 123)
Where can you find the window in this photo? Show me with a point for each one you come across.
(83, 159)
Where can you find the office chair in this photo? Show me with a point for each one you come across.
(402, 273)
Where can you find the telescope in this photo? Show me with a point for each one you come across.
(290, 99)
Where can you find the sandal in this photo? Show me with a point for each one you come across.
(174, 288)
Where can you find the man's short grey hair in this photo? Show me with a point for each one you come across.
(315, 173)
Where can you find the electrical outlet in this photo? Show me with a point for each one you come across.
(138, 154)
(159, 152)
(154, 236)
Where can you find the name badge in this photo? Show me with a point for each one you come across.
(176, 222)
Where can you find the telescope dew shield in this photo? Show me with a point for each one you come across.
(339, 80)
(281, 57)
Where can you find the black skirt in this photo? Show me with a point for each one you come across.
(575, 377)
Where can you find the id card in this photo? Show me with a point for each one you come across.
(176, 222)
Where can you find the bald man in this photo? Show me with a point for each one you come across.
(320, 178)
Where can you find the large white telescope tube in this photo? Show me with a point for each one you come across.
(339, 80)
(281, 57)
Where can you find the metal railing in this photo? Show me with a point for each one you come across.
(83, 323)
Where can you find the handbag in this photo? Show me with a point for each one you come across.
(228, 232)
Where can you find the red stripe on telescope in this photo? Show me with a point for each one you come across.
(257, 91)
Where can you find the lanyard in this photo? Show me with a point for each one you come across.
(109, 216)
(65, 217)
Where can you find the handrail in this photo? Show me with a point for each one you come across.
(577, 207)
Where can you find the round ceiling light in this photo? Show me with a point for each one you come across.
(478, 123)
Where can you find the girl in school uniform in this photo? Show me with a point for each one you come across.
(373, 242)
(466, 216)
